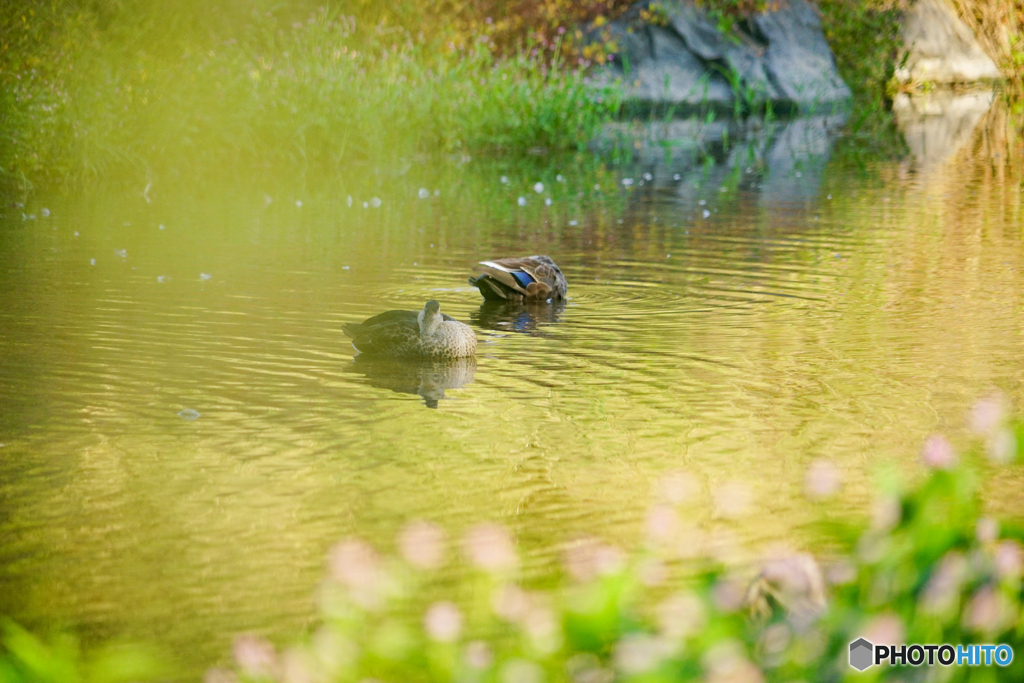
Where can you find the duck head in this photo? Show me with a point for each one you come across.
(429, 318)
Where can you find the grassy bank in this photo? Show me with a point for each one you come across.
(157, 89)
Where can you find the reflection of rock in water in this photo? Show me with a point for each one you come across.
(782, 162)
(937, 124)
(517, 317)
(428, 379)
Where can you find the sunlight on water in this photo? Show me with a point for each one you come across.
(184, 431)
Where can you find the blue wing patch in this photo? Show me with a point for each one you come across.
(522, 278)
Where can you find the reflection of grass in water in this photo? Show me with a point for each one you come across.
(313, 95)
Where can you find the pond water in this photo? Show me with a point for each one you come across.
(185, 433)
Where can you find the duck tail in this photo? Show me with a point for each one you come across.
(351, 330)
(491, 289)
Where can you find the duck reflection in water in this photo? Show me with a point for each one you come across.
(426, 378)
(525, 318)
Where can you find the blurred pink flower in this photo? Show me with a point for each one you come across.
(422, 544)
(356, 565)
(681, 615)
(588, 557)
(443, 622)
(823, 479)
(1009, 560)
(255, 656)
(941, 595)
(478, 655)
(776, 638)
(691, 542)
(987, 413)
(937, 453)
(541, 625)
(296, 667)
(987, 612)
(726, 662)
(795, 580)
(728, 594)
(885, 513)
(884, 629)
(511, 603)
(841, 573)
(679, 487)
(662, 523)
(987, 530)
(732, 499)
(490, 548)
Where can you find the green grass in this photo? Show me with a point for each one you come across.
(85, 99)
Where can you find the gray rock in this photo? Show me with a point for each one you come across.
(799, 59)
(778, 57)
(939, 48)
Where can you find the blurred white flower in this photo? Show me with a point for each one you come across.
(823, 479)
(296, 667)
(942, 593)
(937, 453)
(728, 594)
(422, 544)
(885, 513)
(490, 548)
(443, 622)
(511, 603)
(355, 565)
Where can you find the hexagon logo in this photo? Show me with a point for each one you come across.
(861, 654)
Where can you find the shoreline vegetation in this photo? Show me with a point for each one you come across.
(123, 87)
(929, 566)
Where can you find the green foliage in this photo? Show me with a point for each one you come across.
(24, 658)
(929, 569)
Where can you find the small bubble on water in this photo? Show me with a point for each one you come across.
(162, 226)
(702, 202)
(676, 177)
(559, 178)
(375, 202)
(504, 180)
(123, 253)
(706, 213)
(127, 224)
(799, 174)
(30, 217)
(267, 200)
(205, 276)
(92, 262)
(668, 255)
(45, 213)
(648, 177)
(830, 196)
(573, 223)
(161, 278)
(189, 414)
(521, 201)
(349, 201)
(437, 193)
(597, 187)
(547, 202)
(298, 203)
(76, 233)
(423, 193)
(538, 187)
(345, 267)
(366, 205)
(626, 182)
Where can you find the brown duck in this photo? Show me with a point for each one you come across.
(413, 334)
(531, 278)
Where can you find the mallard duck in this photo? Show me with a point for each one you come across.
(413, 334)
(531, 278)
